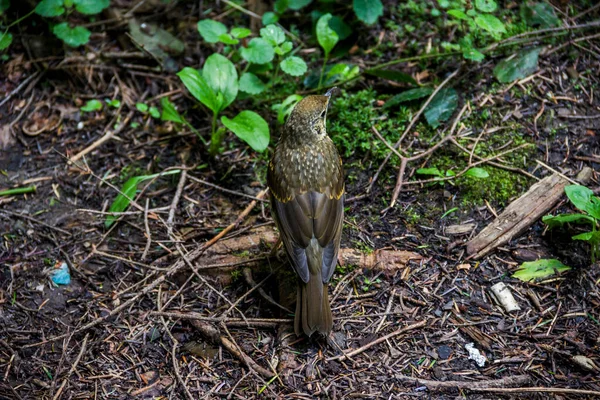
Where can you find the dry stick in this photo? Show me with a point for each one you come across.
(581, 14)
(175, 201)
(409, 127)
(177, 266)
(556, 172)
(109, 133)
(541, 389)
(222, 189)
(380, 340)
(147, 228)
(490, 384)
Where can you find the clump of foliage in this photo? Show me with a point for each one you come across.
(584, 200)
(58, 11)
(367, 11)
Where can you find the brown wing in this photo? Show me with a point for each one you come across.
(307, 216)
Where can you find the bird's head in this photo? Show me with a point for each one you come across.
(308, 117)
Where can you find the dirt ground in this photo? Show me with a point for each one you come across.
(182, 298)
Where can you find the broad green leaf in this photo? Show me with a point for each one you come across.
(593, 207)
(273, 34)
(340, 27)
(169, 112)
(251, 128)
(4, 4)
(73, 37)
(116, 103)
(473, 54)
(91, 7)
(281, 6)
(50, 8)
(250, 83)
(284, 48)
(294, 66)
(326, 36)
(127, 194)
(141, 107)
(269, 18)
(211, 30)
(487, 6)
(92, 105)
(5, 40)
(441, 107)
(430, 171)
(298, 4)
(521, 66)
(558, 220)
(539, 269)
(459, 14)
(539, 14)
(368, 11)
(490, 23)
(222, 77)
(228, 39)
(259, 51)
(579, 195)
(476, 172)
(408, 95)
(240, 33)
(586, 236)
(199, 88)
(391, 75)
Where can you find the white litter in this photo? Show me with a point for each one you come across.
(475, 355)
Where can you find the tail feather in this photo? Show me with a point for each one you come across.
(313, 312)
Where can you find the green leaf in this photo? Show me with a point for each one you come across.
(486, 5)
(286, 107)
(294, 66)
(4, 4)
(430, 171)
(273, 34)
(269, 18)
(473, 54)
(281, 6)
(211, 30)
(251, 128)
(539, 269)
(73, 37)
(558, 220)
(298, 4)
(585, 236)
(408, 95)
(50, 8)
(127, 194)
(539, 14)
(169, 112)
(490, 24)
(284, 48)
(5, 40)
(441, 107)
(240, 33)
(476, 172)
(222, 77)
(459, 14)
(199, 88)
(326, 36)
(228, 39)
(450, 211)
(154, 113)
(340, 27)
(368, 11)
(250, 83)
(521, 66)
(92, 105)
(593, 207)
(116, 103)
(91, 7)
(579, 195)
(391, 75)
(142, 107)
(259, 51)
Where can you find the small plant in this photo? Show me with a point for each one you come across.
(368, 11)
(474, 172)
(216, 88)
(73, 36)
(259, 52)
(539, 269)
(327, 39)
(584, 200)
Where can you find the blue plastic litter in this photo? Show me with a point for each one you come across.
(61, 275)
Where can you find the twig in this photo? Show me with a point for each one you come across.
(222, 189)
(491, 384)
(593, 393)
(35, 75)
(37, 221)
(549, 168)
(147, 228)
(409, 127)
(175, 201)
(400, 331)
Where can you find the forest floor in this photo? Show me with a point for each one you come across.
(182, 298)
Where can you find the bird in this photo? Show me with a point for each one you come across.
(306, 183)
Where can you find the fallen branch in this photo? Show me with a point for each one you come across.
(486, 385)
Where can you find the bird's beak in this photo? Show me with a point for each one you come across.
(331, 91)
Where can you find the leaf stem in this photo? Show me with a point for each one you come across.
(323, 69)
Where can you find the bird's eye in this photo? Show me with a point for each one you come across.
(323, 113)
